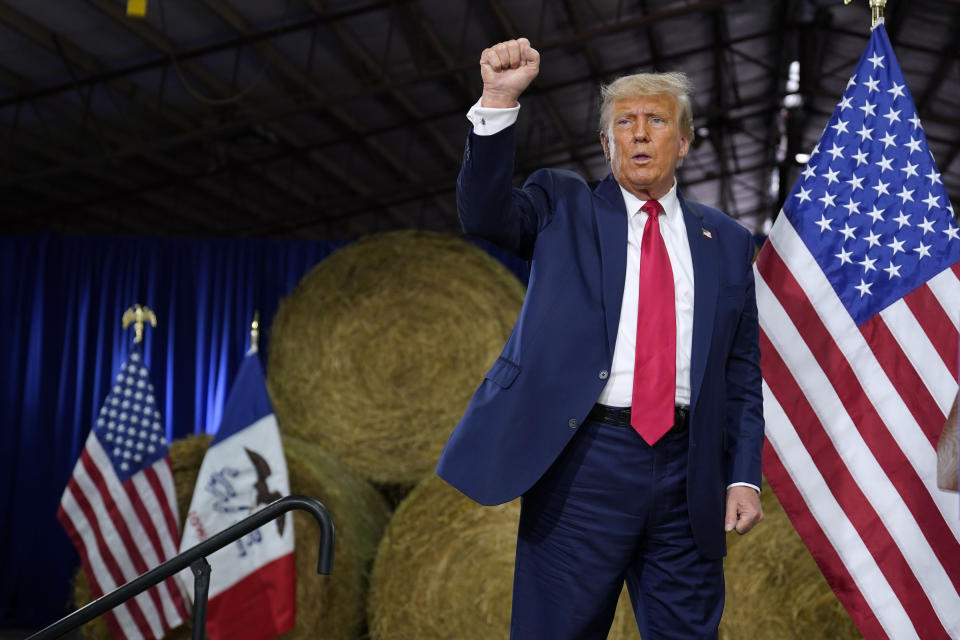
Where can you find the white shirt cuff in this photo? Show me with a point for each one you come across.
(744, 484)
(489, 120)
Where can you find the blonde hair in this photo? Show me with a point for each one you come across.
(673, 83)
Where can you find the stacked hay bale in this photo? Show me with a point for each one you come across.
(376, 353)
(327, 606)
(445, 570)
(774, 589)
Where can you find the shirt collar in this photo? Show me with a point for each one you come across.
(669, 202)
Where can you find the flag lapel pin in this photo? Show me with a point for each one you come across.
(706, 233)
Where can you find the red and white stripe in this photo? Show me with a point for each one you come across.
(122, 530)
(852, 419)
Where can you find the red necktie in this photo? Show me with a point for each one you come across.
(655, 365)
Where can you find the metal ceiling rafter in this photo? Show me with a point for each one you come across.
(73, 57)
(221, 129)
(205, 50)
(76, 58)
(949, 159)
(864, 35)
(718, 135)
(509, 29)
(171, 168)
(551, 44)
(947, 59)
(12, 80)
(84, 98)
(65, 112)
(270, 56)
(653, 40)
(457, 71)
(763, 64)
(160, 42)
(296, 75)
(452, 68)
(293, 73)
(54, 153)
(356, 50)
(286, 152)
(573, 12)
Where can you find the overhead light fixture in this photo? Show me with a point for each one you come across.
(137, 8)
(793, 78)
(792, 100)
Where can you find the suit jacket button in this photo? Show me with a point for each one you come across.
(572, 423)
(604, 374)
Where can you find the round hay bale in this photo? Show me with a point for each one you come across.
(376, 353)
(775, 590)
(444, 569)
(327, 606)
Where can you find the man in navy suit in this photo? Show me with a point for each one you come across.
(626, 406)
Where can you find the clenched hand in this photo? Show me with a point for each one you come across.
(743, 509)
(507, 69)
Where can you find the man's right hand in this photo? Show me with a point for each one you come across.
(507, 69)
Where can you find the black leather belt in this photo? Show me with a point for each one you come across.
(620, 416)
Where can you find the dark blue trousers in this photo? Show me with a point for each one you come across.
(613, 509)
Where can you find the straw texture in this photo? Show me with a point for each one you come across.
(376, 353)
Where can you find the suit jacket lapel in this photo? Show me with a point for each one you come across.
(706, 269)
(611, 217)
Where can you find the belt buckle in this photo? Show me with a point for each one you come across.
(681, 417)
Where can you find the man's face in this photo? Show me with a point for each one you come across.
(643, 144)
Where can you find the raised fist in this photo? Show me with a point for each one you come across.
(507, 69)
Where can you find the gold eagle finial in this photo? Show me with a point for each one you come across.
(255, 331)
(138, 315)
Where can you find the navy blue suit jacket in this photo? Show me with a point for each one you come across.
(555, 362)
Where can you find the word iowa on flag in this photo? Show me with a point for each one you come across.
(120, 506)
(859, 301)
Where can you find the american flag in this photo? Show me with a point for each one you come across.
(120, 507)
(858, 289)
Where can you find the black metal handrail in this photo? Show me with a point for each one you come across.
(196, 556)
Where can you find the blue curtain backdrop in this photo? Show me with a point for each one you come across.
(61, 300)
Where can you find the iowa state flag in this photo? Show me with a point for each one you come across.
(252, 582)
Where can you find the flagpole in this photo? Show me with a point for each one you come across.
(255, 332)
(876, 11)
